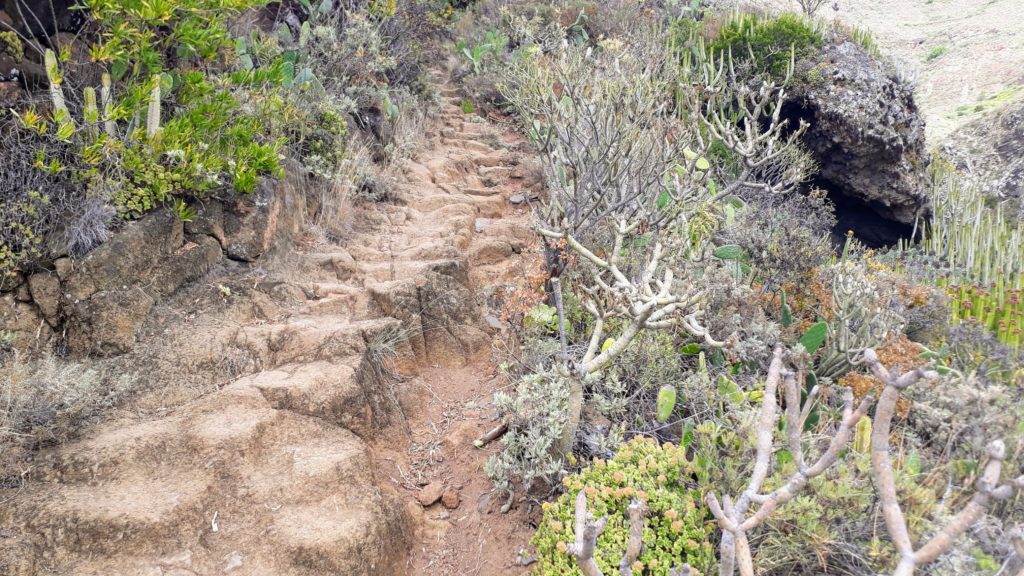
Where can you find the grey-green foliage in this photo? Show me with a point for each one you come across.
(535, 413)
(978, 240)
(46, 399)
(865, 316)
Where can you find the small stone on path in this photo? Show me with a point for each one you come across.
(430, 493)
(451, 499)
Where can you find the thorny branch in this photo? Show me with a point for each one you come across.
(732, 516)
(987, 488)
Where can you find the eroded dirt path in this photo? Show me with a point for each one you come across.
(371, 383)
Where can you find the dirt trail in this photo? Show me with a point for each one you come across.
(373, 385)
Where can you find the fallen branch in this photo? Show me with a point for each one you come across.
(491, 435)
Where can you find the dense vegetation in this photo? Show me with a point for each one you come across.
(688, 242)
(161, 104)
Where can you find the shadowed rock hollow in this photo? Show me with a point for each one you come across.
(868, 138)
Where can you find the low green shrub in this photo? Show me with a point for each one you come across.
(139, 38)
(678, 526)
(935, 53)
(11, 45)
(768, 44)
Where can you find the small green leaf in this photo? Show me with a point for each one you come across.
(703, 164)
(166, 82)
(666, 402)
(712, 188)
(689, 154)
(305, 75)
(729, 390)
(118, 69)
(607, 344)
(728, 252)
(688, 436)
(784, 457)
(691, 349)
(184, 51)
(663, 200)
(814, 337)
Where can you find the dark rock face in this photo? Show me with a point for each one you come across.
(42, 18)
(866, 133)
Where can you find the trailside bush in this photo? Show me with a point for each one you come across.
(678, 526)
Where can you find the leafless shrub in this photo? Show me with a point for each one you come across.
(810, 7)
(89, 227)
(785, 236)
(622, 173)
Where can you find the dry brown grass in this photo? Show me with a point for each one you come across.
(46, 399)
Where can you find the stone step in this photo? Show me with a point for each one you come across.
(330, 391)
(302, 339)
(472, 145)
(482, 191)
(357, 540)
(497, 172)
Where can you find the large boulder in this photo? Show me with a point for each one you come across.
(254, 224)
(866, 131)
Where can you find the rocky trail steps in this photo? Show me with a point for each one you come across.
(371, 387)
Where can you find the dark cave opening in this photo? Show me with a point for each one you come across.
(870, 223)
(865, 221)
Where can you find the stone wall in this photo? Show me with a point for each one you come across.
(96, 304)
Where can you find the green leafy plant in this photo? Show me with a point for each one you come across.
(676, 524)
(141, 36)
(935, 53)
(491, 47)
(11, 45)
(770, 44)
(183, 211)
